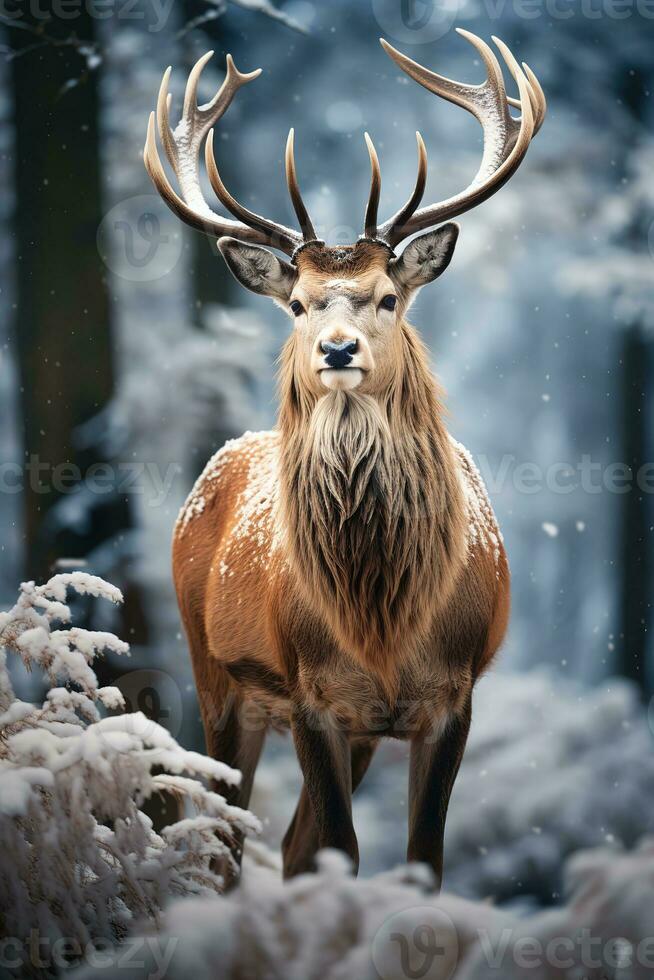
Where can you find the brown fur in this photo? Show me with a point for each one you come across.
(346, 567)
(374, 511)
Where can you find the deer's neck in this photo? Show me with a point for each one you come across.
(374, 511)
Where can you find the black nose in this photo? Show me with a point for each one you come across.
(338, 355)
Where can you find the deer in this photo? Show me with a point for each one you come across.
(343, 576)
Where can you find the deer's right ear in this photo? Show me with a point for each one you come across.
(258, 269)
(425, 258)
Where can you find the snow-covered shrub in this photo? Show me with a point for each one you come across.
(330, 926)
(324, 926)
(79, 860)
(551, 768)
(604, 932)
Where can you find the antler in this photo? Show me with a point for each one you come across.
(506, 139)
(182, 147)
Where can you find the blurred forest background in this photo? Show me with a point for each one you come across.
(128, 354)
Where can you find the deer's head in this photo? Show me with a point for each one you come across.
(348, 303)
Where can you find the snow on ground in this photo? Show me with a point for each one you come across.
(331, 927)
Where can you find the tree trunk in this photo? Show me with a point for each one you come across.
(62, 325)
(635, 560)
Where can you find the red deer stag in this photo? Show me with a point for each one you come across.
(344, 573)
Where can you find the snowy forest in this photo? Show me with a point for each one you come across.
(129, 355)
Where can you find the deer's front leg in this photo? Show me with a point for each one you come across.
(323, 751)
(433, 768)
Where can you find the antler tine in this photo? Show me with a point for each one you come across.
(164, 100)
(372, 209)
(190, 107)
(283, 237)
(536, 94)
(208, 115)
(506, 139)
(493, 112)
(303, 218)
(196, 120)
(201, 218)
(527, 101)
(182, 147)
(462, 94)
(538, 100)
(400, 217)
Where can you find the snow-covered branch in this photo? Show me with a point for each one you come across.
(85, 860)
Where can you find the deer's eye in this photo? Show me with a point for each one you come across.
(389, 302)
(296, 308)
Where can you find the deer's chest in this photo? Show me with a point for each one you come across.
(344, 694)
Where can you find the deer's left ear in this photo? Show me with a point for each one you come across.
(425, 258)
(258, 269)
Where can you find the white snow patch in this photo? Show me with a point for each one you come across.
(483, 529)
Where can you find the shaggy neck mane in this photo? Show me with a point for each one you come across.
(373, 508)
